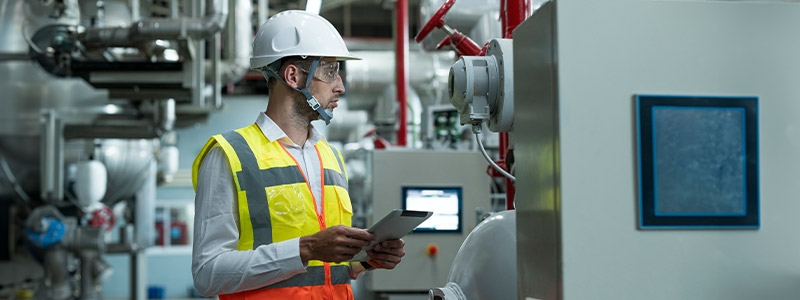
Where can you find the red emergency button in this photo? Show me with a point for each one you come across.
(432, 249)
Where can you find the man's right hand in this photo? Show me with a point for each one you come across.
(334, 244)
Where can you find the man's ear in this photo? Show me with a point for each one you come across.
(293, 76)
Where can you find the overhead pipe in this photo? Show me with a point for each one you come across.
(512, 13)
(401, 65)
(263, 11)
(237, 42)
(426, 73)
(160, 28)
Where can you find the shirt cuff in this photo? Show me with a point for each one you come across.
(291, 248)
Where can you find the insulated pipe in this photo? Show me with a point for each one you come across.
(427, 74)
(159, 28)
(401, 53)
(56, 263)
(263, 11)
(165, 114)
(145, 206)
(236, 42)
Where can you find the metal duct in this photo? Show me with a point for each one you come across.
(348, 126)
(145, 205)
(56, 263)
(106, 13)
(237, 43)
(28, 87)
(20, 19)
(160, 28)
(128, 165)
(366, 78)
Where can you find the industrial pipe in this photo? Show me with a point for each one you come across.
(159, 28)
(56, 263)
(236, 42)
(512, 13)
(401, 65)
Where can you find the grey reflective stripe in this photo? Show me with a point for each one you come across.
(315, 276)
(340, 179)
(281, 175)
(335, 178)
(340, 274)
(338, 159)
(256, 193)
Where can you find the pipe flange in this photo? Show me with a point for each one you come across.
(502, 117)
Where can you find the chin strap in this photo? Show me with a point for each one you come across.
(324, 114)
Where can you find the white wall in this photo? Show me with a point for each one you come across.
(606, 52)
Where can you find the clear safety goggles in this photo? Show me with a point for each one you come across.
(326, 71)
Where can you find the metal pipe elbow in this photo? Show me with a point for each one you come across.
(451, 291)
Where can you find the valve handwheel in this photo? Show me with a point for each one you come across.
(437, 20)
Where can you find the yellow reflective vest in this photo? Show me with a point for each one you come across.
(276, 204)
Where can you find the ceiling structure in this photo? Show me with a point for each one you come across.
(364, 24)
(356, 18)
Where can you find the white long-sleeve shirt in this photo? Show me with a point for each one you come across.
(217, 266)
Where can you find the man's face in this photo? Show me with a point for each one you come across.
(326, 86)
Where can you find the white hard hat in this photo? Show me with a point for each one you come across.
(297, 33)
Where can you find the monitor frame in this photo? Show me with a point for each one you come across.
(457, 189)
(649, 216)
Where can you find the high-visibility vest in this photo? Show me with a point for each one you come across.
(276, 204)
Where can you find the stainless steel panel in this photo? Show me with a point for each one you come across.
(536, 150)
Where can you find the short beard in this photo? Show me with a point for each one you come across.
(303, 110)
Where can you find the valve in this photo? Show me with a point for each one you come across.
(446, 41)
(463, 44)
(437, 20)
(52, 232)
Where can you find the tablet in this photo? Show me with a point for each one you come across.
(394, 225)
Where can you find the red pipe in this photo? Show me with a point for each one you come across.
(512, 13)
(401, 66)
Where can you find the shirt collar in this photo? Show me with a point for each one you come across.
(274, 133)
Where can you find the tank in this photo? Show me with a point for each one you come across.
(485, 267)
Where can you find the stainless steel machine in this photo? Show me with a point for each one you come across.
(93, 93)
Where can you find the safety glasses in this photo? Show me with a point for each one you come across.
(326, 71)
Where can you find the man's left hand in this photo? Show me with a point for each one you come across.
(387, 254)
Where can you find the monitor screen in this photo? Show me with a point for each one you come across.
(444, 202)
(698, 161)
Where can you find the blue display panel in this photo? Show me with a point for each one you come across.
(698, 161)
(444, 202)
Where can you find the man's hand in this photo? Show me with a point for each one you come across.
(387, 255)
(334, 244)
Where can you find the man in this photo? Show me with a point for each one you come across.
(273, 214)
